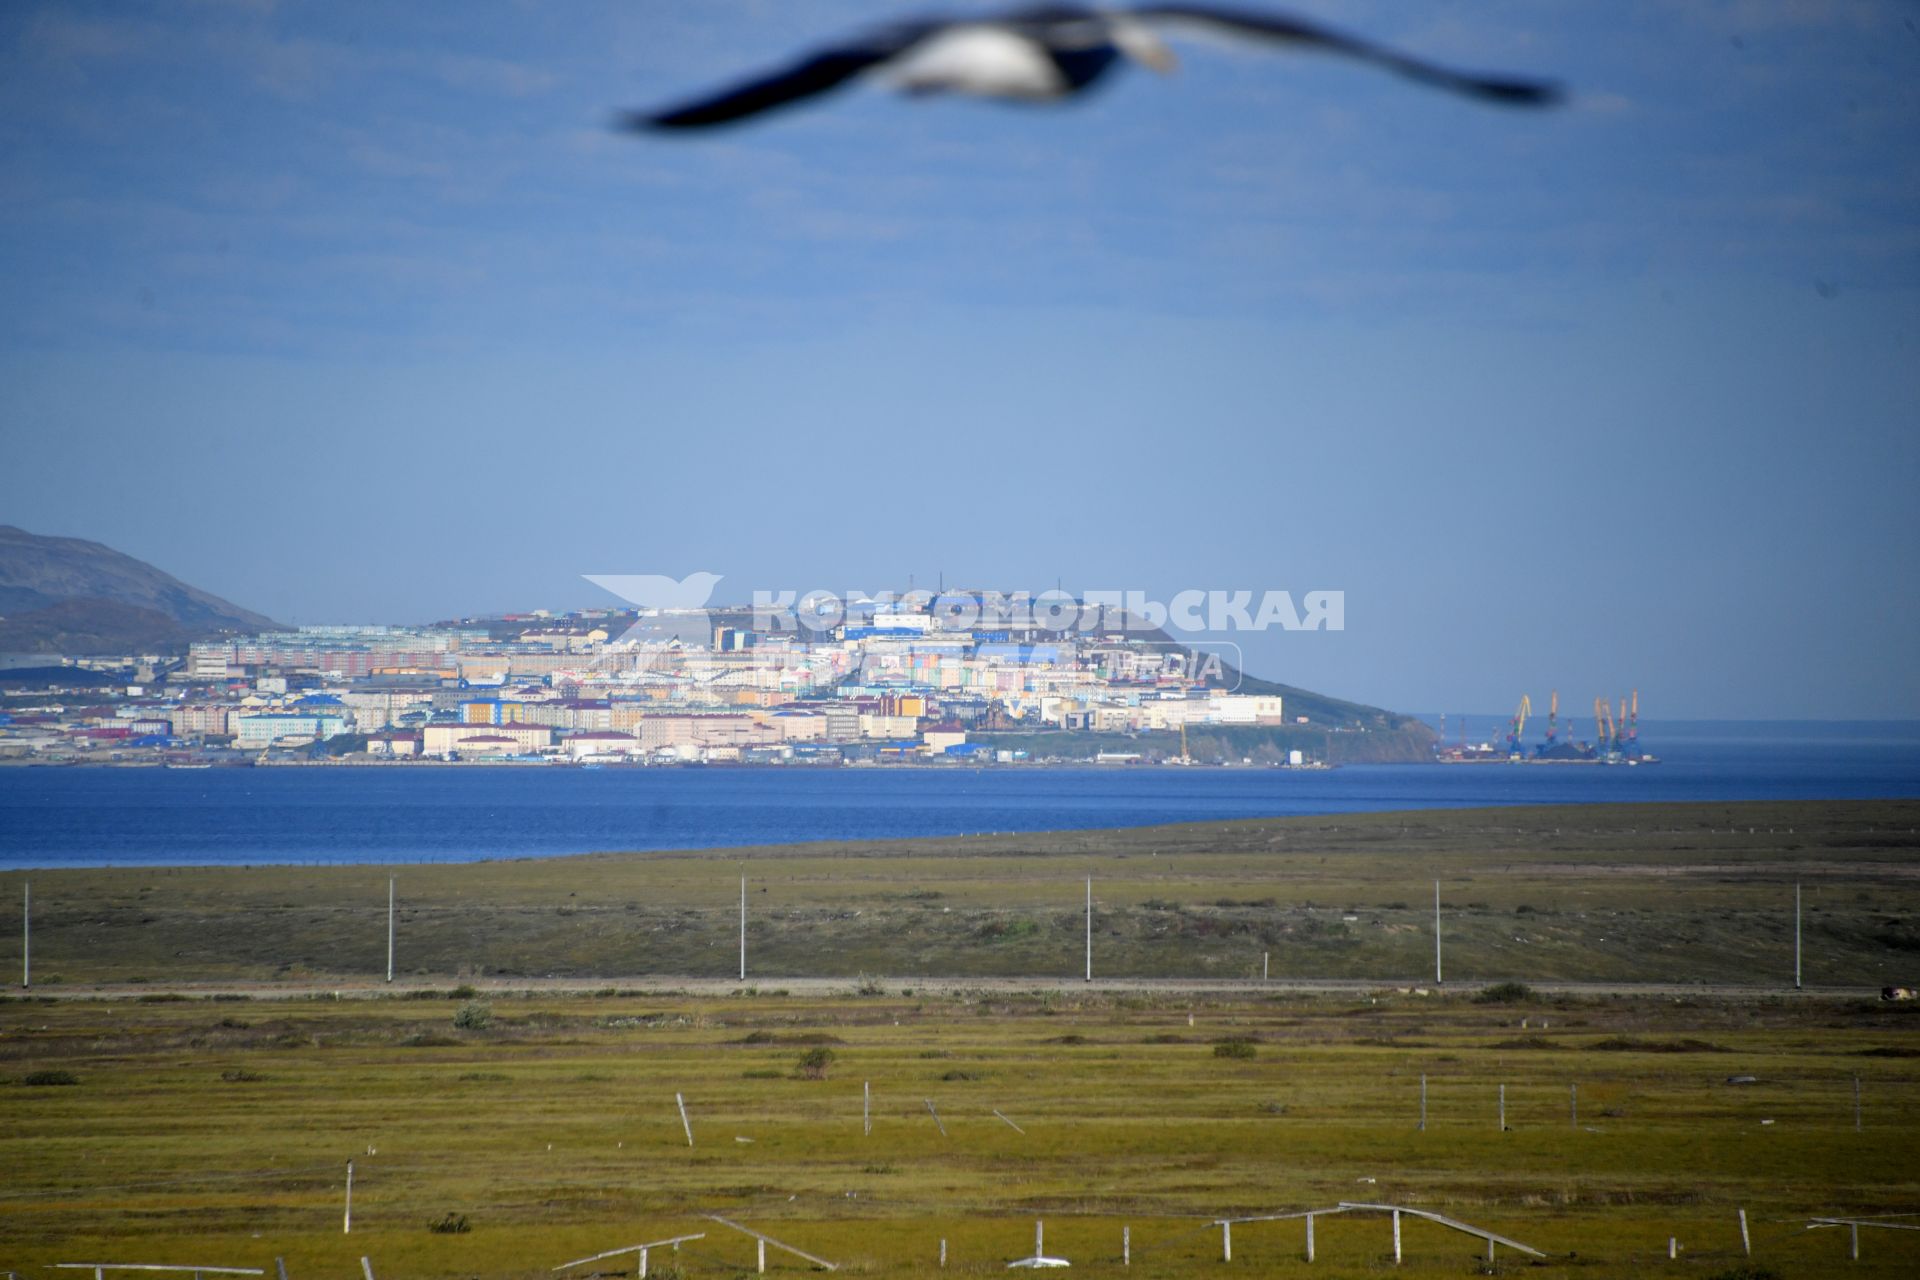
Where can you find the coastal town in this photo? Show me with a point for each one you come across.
(915, 681)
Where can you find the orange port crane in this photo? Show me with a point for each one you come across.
(1600, 727)
(1633, 723)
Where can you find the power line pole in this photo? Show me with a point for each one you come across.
(26, 938)
(1437, 978)
(743, 928)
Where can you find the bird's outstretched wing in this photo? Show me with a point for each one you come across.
(819, 72)
(1512, 90)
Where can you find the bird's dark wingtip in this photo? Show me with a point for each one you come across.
(1523, 93)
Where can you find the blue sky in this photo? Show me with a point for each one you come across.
(358, 312)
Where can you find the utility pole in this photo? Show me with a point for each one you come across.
(1089, 928)
(26, 939)
(390, 881)
(1437, 978)
(743, 928)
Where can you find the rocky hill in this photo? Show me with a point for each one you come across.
(68, 595)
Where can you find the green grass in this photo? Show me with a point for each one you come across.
(1632, 893)
(217, 1132)
(553, 1131)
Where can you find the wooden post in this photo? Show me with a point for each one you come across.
(1489, 1253)
(346, 1223)
(743, 928)
(1396, 1237)
(681, 1103)
(643, 1265)
(1089, 928)
(280, 1268)
(1438, 977)
(1853, 1232)
(943, 1253)
(1746, 1241)
(761, 1267)
(390, 881)
(1226, 1242)
(1265, 956)
(936, 1118)
(1573, 1104)
(1673, 1248)
(866, 1107)
(366, 1268)
(1856, 1104)
(1796, 936)
(1423, 1104)
(1126, 1246)
(1503, 1108)
(1039, 1238)
(1309, 1237)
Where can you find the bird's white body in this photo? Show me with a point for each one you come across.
(982, 61)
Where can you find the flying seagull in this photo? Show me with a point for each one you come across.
(1051, 53)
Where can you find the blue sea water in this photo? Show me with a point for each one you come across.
(94, 816)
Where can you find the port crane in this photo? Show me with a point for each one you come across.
(1553, 718)
(1514, 748)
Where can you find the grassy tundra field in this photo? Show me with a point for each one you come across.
(1631, 893)
(202, 1108)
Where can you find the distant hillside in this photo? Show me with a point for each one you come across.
(68, 595)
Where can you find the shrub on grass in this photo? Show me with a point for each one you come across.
(239, 1075)
(1503, 993)
(814, 1063)
(474, 1015)
(462, 992)
(1241, 1049)
(454, 1224)
(50, 1078)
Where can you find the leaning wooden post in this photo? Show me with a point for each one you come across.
(681, 1103)
(366, 1268)
(1746, 1241)
(1396, 1237)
